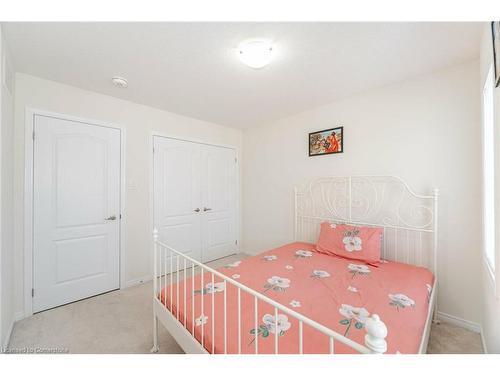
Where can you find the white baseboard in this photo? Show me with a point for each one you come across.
(9, 334)
(20, 315)
(485, 348)
(467, 324)
(17, 317)
(138, 281)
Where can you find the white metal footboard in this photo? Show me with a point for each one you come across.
(170, 265)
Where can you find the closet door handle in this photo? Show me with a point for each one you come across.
(113, 217)
(197, 210)
(205, 209)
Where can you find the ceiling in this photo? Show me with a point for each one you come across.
(192, 69)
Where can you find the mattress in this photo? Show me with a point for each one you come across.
(335, 292)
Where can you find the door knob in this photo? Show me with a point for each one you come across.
(113, 217)
(197, 210)
(206, 209)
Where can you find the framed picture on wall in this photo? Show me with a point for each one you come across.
(328, 141)
(495, 33)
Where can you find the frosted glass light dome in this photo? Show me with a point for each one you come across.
(256, 53)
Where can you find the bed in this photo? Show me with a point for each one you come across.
(294, 300)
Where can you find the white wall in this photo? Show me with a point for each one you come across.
(490, 296)
(138, 121)
(425, 130)
(6, 200)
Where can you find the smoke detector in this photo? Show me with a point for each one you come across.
(119, 82)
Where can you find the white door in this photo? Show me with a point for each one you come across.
(195, 198)
(76, 208)
(177, 206)
(219, 202)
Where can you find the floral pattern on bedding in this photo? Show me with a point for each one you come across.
(352, 242)
(271, 325)
(401, 301)
(358, 315)
(319, 274)
(269, 258)
(303, 254)
(276, 283)
(358, 269)
(335, 292)
(211, 288)
(233, 265)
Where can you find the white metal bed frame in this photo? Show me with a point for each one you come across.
(383, 201)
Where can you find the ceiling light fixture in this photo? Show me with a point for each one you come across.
(255, 53)
(120, 82)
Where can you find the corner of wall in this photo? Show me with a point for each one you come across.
(483, 341)
(490, 301)
(7, 81)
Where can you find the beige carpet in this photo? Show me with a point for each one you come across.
(121, 322)
(449, 339)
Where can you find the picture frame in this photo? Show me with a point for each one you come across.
(495, 36)
(326, 142)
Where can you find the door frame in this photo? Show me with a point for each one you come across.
(30, 114)
(152, 191)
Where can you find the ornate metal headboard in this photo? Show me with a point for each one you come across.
(409, 220)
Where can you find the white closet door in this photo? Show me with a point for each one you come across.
(219, 202)
(76, 207)
(177, 197)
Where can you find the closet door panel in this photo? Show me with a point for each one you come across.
(177, 195)
(195, 198)
(219, 202)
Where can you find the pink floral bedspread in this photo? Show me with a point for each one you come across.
(337, 293)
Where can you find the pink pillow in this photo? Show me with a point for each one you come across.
(352, 242)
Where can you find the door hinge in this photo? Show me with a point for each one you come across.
(235, 160)
(33, 135)
(236, 242)
(32, 292)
